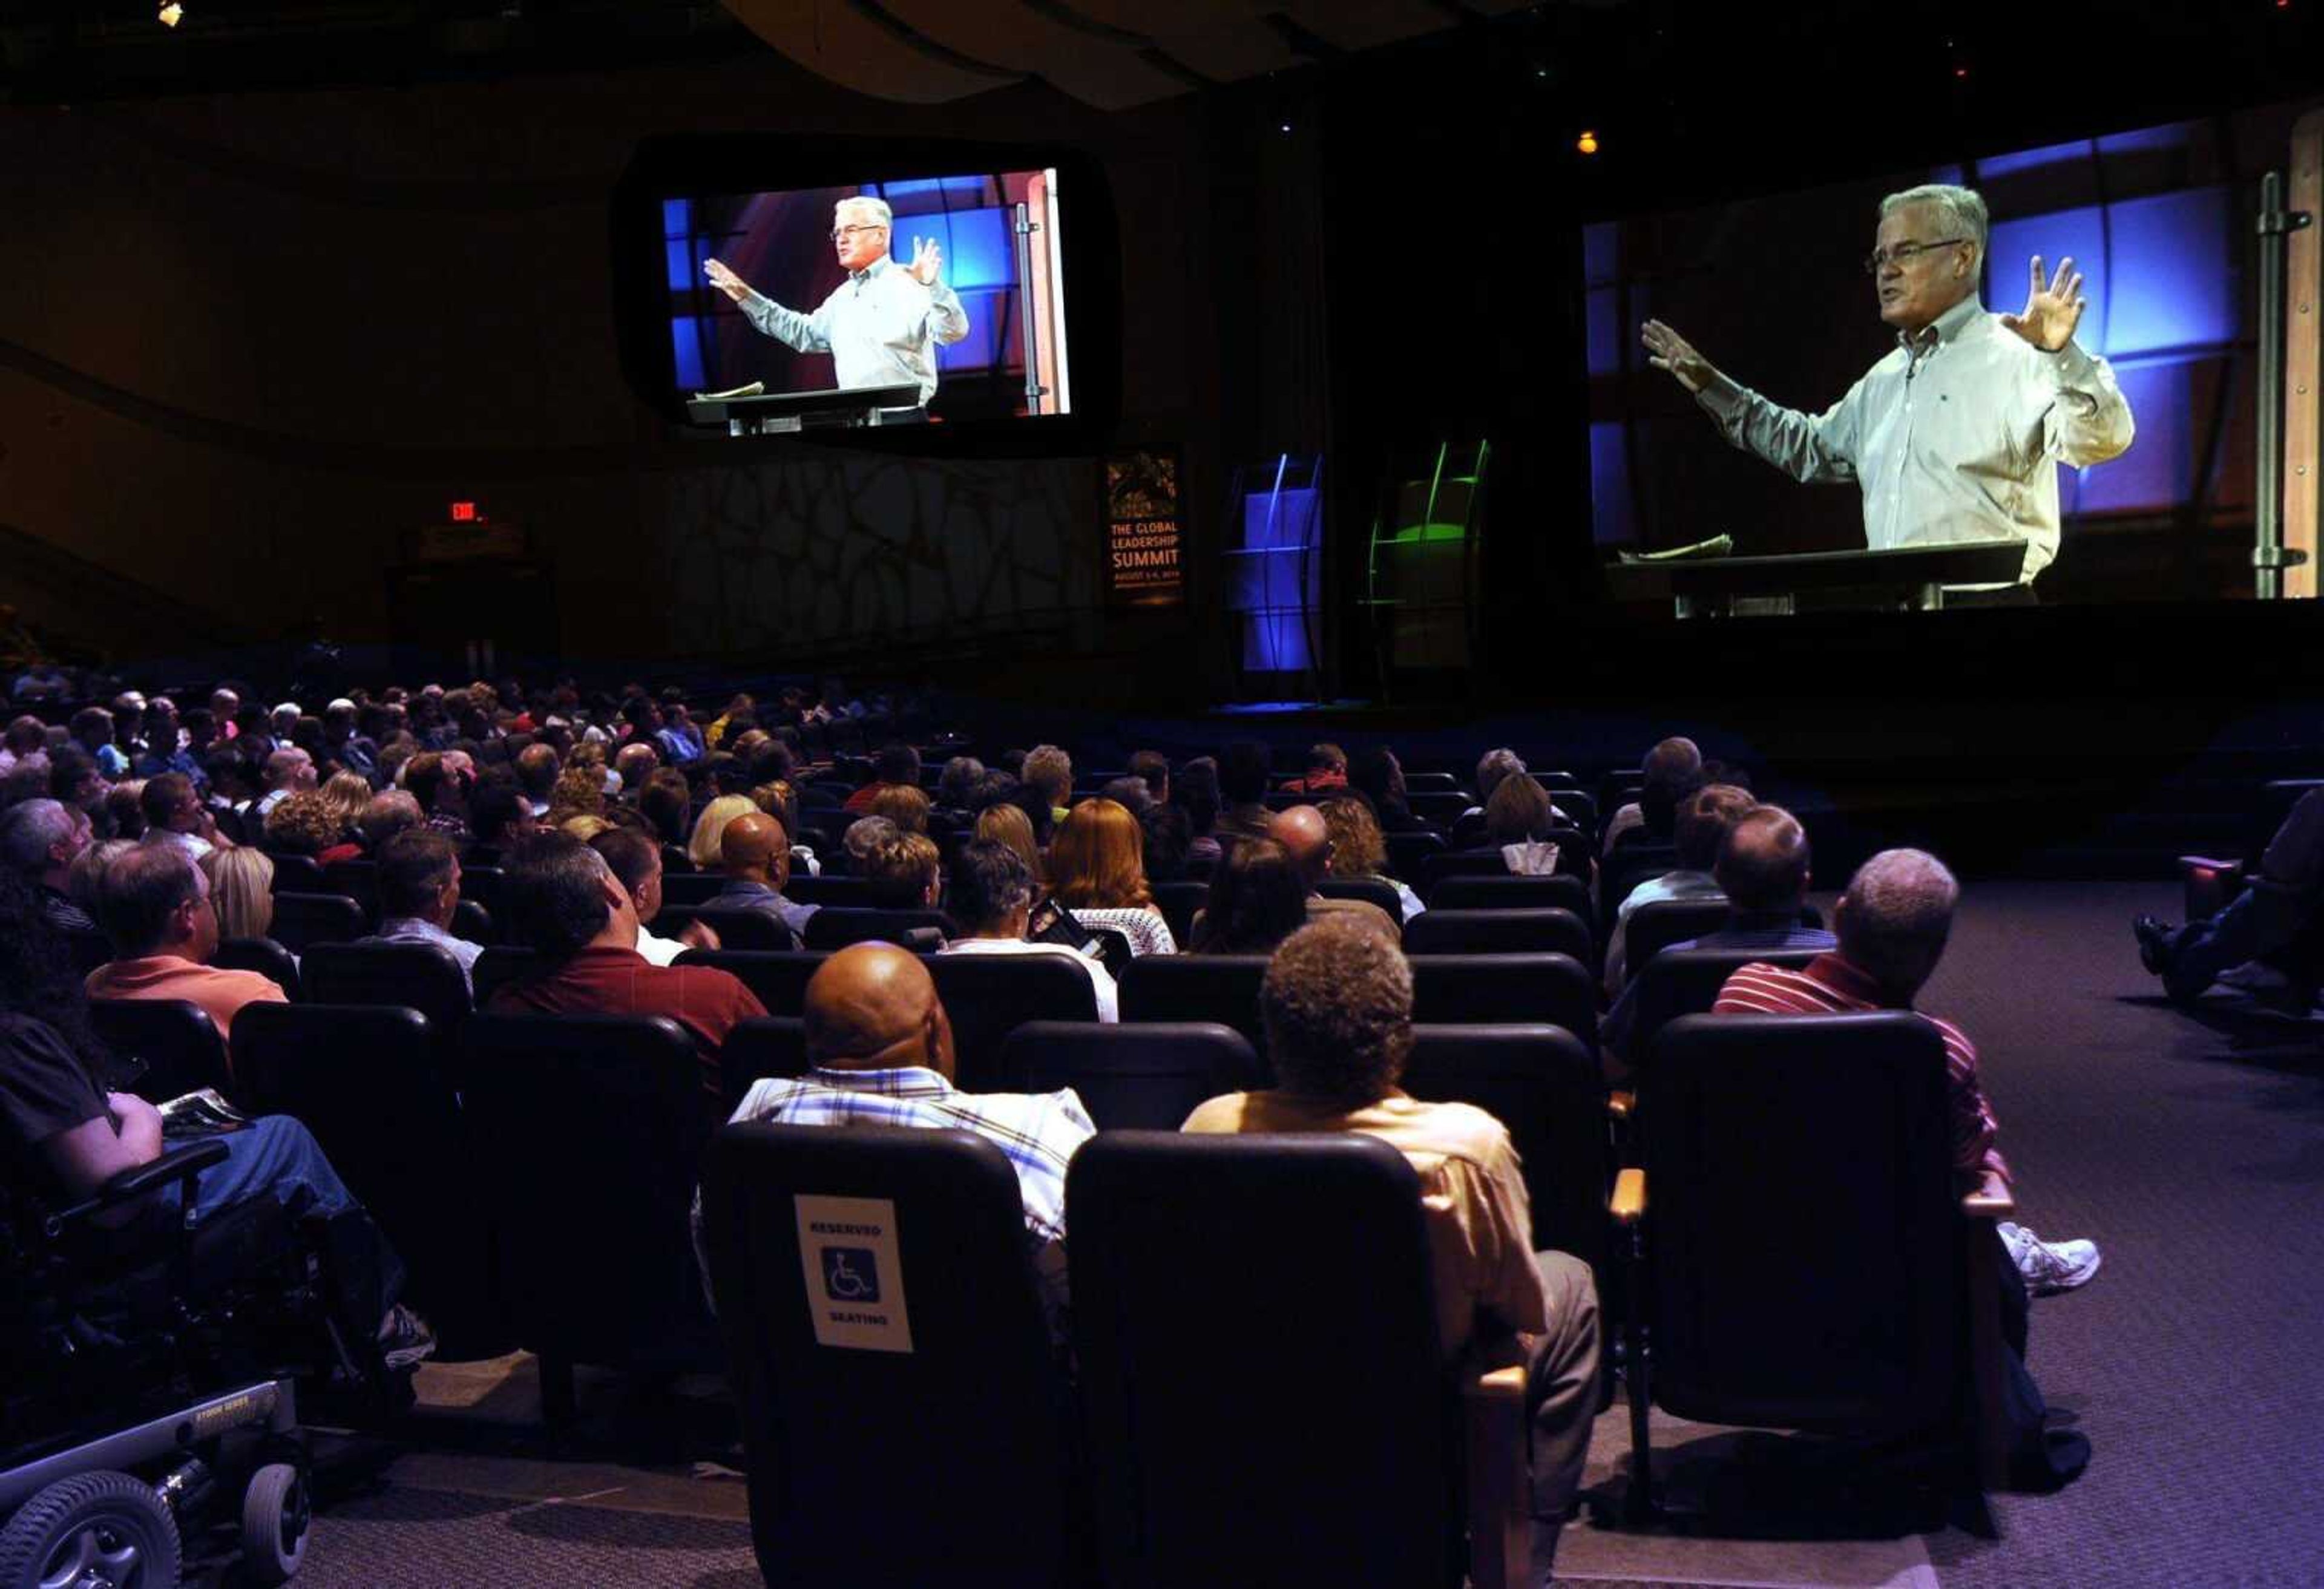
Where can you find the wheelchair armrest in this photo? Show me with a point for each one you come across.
(1492, 1379)
(2210, 885)
(178, 1165)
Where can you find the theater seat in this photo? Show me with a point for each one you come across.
(595, 1126)
(269, 959)
(835, 926)
(1498, 931)
(1141, 1078)
(944, 1456)
(1266, 1398)
(422, 977)
(759, 1047)
(776, 979)
(1686, 982)
(1178, 900)
(175, 1037)
(987, 997)
(1465, 989)
(1374, 891)
(1806, 1259)
(740, 927)
(1409, 853)
(302, 920)
(1505, 892)
(1222, 988)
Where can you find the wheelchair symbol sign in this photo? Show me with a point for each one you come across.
(852, 1265)
(851, 1274)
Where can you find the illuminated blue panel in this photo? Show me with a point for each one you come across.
(1293, 520)
(1602, 305)
(982, 251)
(1274, 642)
(2158, 471)
(2003, 165)
(2166, 284)
(2170, 135)
(676, 217)
(680, 252)
(892, 191)
(992, 340)
(1609, 488)
(1601, 253)
(686, 343)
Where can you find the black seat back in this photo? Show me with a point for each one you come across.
(1178, 900)
(1505, 892)
(1375, 891)
(1542, 1082)
(777, 979)
(1852, 1318)
(1465, 989)
(1658, 923)
(175, 1037)
(759, 1047)
(691, 888)
(359, 880)
(1409, 853)
(296, 874)
(372, 1082)
(499, 966)
(1686, 982)
(1140, 1078)
(1228, 1293)
(850, 890)
(1222, 988)
(967, 1411)
(421, 976)
(269, 959)
(596, 1125)
(986, 997)
(1629, 866)
(835, 926)
(304, 920)
(1498, 932)
(742, 928)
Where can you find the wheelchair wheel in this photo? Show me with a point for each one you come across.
(95, 1530)
(275, 1513)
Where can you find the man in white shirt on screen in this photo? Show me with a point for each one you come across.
(1956, 435)
(881, 325)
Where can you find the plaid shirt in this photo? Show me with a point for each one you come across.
(1831, 986)
(1038, 1132)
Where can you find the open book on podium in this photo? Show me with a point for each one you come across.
(1701, 581)
(752, 411)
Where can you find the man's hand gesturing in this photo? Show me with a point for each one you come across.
(2053, 311)
(927, 259)
(725, 280)
(1667, 350)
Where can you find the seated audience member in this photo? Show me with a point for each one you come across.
(567, 904)
(990, 897)
(897, 766)
(1359, 852)
(880, 1049)
(636, 762)
(903, 874)
(163, 750)
(1327, 769)
(779, 801)
(419, 891)
(679, 738)
(2264, 941)
(500, 818)
(1763, 870)
(1518, 818)
(579, 790)
(1169, 841)
(1242, 786)
(91, 729)
(301, 824)
(902, 804)
(1337, 1004)
(1048, 774)
(174, 815)
(83, 877)
(958, 780)
(1195, 791)
(346, 744)
(440, 781)
(225, 776)
(1306, 840)
(1154, 768)
(242, 891)
(124, 809)
(1492, 767)
(40, 839)
(864, 835)
(1006, 824)
(1673, 771)
(25, 744)
(1128, 791)
(388, 813)
(1377, 775)
(155, 906)
(755, 854)
(1258, 899)
(636, 860)
(1702, 824)
(1097, 870)
(664, 802)
(1892, 924)
(73, 780)
(345, 795)
(289, 771)
(710, 827)
(537, 768)
(63, 1137)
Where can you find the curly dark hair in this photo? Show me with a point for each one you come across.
(37, 977)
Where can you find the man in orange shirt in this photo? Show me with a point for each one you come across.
(154, 903)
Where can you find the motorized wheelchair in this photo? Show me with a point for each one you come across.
(147, 1371)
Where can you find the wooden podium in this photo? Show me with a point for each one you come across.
(1907, 578)
(775, 413)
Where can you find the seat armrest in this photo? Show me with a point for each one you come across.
(1991, 1199)
(1629, 1205)
(178, 1165)
(1620, 1104)
(1492, 1378)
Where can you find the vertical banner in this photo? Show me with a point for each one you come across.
(854, 1280)
(1144, 538)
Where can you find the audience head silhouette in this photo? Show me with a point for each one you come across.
(562, 897)
(153, 900)
(1894, 918)
(1763, 863)
(872, 1006)
(1337, 1003)
(754, 848)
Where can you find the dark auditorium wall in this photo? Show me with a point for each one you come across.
(250, 344)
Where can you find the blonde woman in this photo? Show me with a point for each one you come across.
(1097, 870)
(1359, 849)
(702, 848)
(1008, 825)
(241, 890)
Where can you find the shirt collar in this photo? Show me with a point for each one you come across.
(877, 267)
(1944, 329)
(1850, 981)
(901, 1081)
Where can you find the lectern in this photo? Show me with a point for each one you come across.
(1912, 578)
(775, 413)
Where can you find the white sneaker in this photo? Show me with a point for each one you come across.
(2048, 1267)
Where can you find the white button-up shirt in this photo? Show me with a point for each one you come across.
(881, 327)
(1956, 435)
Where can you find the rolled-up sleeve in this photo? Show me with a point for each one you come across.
(2089, 419)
